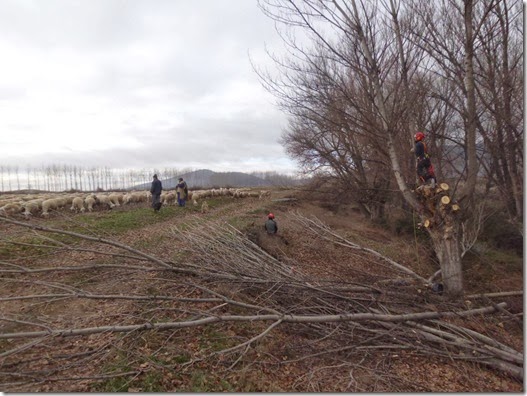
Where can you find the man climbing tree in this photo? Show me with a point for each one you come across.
(425, 169)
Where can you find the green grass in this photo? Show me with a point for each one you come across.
(214, 340)
(240, 223)
(180, 359)
(122, 221)
(115, 384)
(260, 211)
(152, 382)
(507, 261)
(149, 381)
(206, 382)
(9, 250)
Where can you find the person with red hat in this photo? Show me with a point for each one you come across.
(425, 170)
(270, 225)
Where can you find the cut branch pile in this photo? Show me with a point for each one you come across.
(219, 276)
(437, 206)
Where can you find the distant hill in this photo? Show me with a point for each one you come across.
(205, 178)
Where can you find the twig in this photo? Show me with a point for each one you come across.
(249, 342)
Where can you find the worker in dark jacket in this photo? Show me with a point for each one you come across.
(156, 189)
(425, 170)
(270, 225)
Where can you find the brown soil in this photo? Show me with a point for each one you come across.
(180, 360)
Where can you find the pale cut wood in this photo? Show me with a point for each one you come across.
(444, 186)
(445, 200)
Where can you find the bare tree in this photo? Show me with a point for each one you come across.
(500, 93)
(2, 168)
(17, 173)
(8, 169)
(28, 176)
(407, 72)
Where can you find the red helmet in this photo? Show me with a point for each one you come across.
(419, 136)
(270, 216)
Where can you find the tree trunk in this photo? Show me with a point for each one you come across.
(471, 113)
(441, 216)
(377, 211)
(446, 246)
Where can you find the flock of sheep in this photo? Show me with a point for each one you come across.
(42, 204)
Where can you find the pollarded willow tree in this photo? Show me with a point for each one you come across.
(370, 75)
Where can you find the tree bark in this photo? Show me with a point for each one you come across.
(448, 251)
(471, 115)
(443, 223)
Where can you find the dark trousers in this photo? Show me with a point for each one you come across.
(156, 201)
(180, 201)
(425, 170)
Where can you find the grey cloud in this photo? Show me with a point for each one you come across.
(187, 50)
(207, 142)
(70, 23)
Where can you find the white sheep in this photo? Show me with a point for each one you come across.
(116, 198)
(204, 207)
(90, 201)
(10, 209)
(68, 199)
(195, 196)
(61, 202)
(9, 200)
(138, 196)
(48, 204)
(240, 193)
(104, 200)
(127, 198)
(32, 207)
(168, 198)
(77, 204)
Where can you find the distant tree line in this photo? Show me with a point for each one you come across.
(277, 179)
(61, 177)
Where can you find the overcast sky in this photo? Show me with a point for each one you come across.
(138, 84)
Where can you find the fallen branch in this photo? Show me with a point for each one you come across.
(253, 318)
(498, 294)
(322, 230)
(88, 238)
